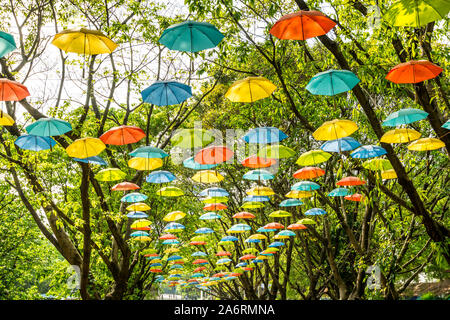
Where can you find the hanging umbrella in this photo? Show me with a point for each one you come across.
(404, 116)
(446, 125)
(207, 176)
(215, 207)
(339, 145)
(210, 216)
(332, 82)
(290, 203)
(305, 186)
(223, 261)
(335, 129)
(168, 236)
(174, 227)
(214, 199)
(110, 174)
(402, 135)
(166, 93)
(12, 90)
(223, 254)
(145, 163)
(426, 144)
(296, 194)
(125, 186)
(257, 237)
(240, 227)
(260, 191)
(139, 234)
(313, 157)
(280, 214)
(34, 143)
(244, 215)
(276, 151)
(122, 135)
(287, 233)
(174, 216)
(258, 175)
(170, 191)
(204, 231)
(264, 135)
(92, 160)
(137, 215)
(199, 254)
(302, 25)
(6, 119)
(262, 229)
(191, 138)
(229, 238)
(368, 151)
(416, 13)
(306, 221)
(377, 164)
(256, 162)
(47, 127)
(83, 41)
(148, 152)
(191, 164)
(214, 192)
(350, 181)
(7, 43)
(273, 225)
(191, 36)
(315, 212)
(339, 192)
(296, 226)
(252, 205)
(213, 155)
(134, 197)
(256, 198)
(160, 176)
(309, 173)
(357, 197)
(139, 206)
(85, 148)
(250, 89)
(276, 244)
(141, 223)
(388, 174)
(247, 257)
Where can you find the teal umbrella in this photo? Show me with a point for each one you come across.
(404, 116)
(259, 174)
(149, 152)
(305, 186)
(191, 36)
(339, 192)
(290, 203)
(134, 197)
(7, 43)
(446, 125)
(191, 164)
(210, 216)
(332, 82)
(47, 127)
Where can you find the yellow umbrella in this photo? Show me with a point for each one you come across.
(252, 205)
(85, 148)
(261, 257)
(170, 192)
(140, 223)
(174, 216)
(215, 200)
(6, 119)
(110, 174)
(156, 261)
(83, 41)
(138, 206)
(426, 144)
(280, 214)
(313, 157)
(388, 174)
(335, 129)
(171, 250)
(279, 236)
(306, 221)
(377, 164)
(145, 163)
(260, 191)
(257, 236)
(271, 250)
(297, 194)
(207, 176)
(142, 238)
(400, 136)
(250, 89)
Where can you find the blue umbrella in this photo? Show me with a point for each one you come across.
(256, 199)
(174, 257)
(339, 192)
(214, 192)
(264, 135)
(265, 230)
(166, 93)
(368, 151)
(153, 258)
(276, 244)
(191, 164)
(210, 216)
(92, 160)
(176, 266)
(156, 264)
(137, 214)
(305, 186)
(266, 254)
(259, 174)
(204, 230)
(139, 234)
(339, 145)
(171, 241)
(257, 261)
(34, 143)
(291, 203)
(174, 226)
(197, 275)
(199, 254)
(7, 43)
(404, 116)
(223, 260)
(332, 82)
(240, 227)
(134, 197)
(315, 212)
(160, 176)
(288, 233)
(241, 264)
(46, 127)
(229, 238)
(252, 240)
(149, 152)
(446, 125)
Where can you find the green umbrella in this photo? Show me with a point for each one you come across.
(416, 13)
(313, 157)
(377, 164)
(191, 138)
(276, 152)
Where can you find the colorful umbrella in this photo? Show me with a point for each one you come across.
(280, 214)
(315, 212)
(149, 152)
(290, 203)
(145, 163)
(404, 116)
(402, 135)
(213, 155)
(34, 143)
(238, 228)
(357, 197)
(244, 215)
(260, 191)
(273, 225)
(339, 145)
(252, 205)
(125, 186)
(309, 173)
(191, 138)
(215, 207)
(416, 13)
(141, 223)
(388, 174)
(426, 144)
(92, 160)
(122, 135)
(256, 162)
(305, 186)
(160, 176)
(306, 221)
(170, 191)
(7, 43)
(207, 176)
(377, 164)
(335, 129)
(204, 231)
(350, 181)
(214, 199)
(6, 119)
(332, 82)
(264, 135)
(85, 148)
(139, 206)
(83, 41)
(174, 216)
(134, 197)
(137, 215)
(110, 174)
(296, 194)
(210, 216)
(199, 254)
(339, 192)
(296, 226)
(214, 192)
(46, 127)
(250, 89)
(258, 175)
(446, 125)
(368, 151)
(166, 93)
(191, 164)
(276, 151)
(256, 198)
(313, 157)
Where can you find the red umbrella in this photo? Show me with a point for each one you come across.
(350, 181)
(309, 173)
(302, 25)
(247, 257)
(200, 261)
(413, 72)
(213, 155)
(12, 90)
(125, 186)
(146, 228)
(121, 135)
(273, 225)
(223, 253)
(256, 162)
(296, 226)
(244, 215)
(354, 197)
(167, 236)
(199, 269)
(215, 207)
(155, 270)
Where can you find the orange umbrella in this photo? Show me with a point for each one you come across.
(167, 236)
(309, 173)
(155, 270)
(235, 274)
(273, 225)
(215, 207)
(12, 90)
(199, 269)
(354, 197)
(121, 135)
(197, 243)
(223, 253)
(296, 226)
(413, 72)
(247, 257)
(213, 155)
(151, 255)
(146, 228)
(244, 215)
(302, 25)
(178, 262)
(125, 186)
(200, 261)
(258, 162)
(247, 268)
(350, 181)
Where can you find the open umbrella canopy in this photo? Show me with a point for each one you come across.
(264, 135)
(83, 41)
(229, 238)
(413, 72)
(92, 160)
(215, 200)
(309, 173)
(174, 227)
(160, 176)
(402, 135)
(191, 36)
(250, 89)
(210, 216)
(416, 13)
(168, 236)
(256, 198)
(125, 186)
(122, 135)
(339, 192)
(199, 254)
(214, 192)
(280, 214)
(339, 145)
(145, 164)
(335, 129)
(357, 197)
(305, 186)
(7, 43)
(260, 191)
(302, 25)
(404, 116)
(368, 151)
(315, 212)
(377, 164)
(446, 125)
(244, 215)
(213, 155)
(240, 227)
(139, 234)
(258, 174)
(85, 148)
(256, 162)
(350, 181)
(273, 225)
(204, 231)
(207, 176)
(5, 119)
(141, 223)
(388, 174)
(306, 221)
(252, 205)
(313, 157)
(134, 197)
(149, 152)
(166, 93)
(110, 174)
(191, 164)
(170, 191)
(12, 91)
(223, 261)
(223, 253)
(191, 138)
(332, 82)
(174, 216)
(46, 127)
(215, 207)
(426, 144)
(287, 233)
(298, 194)
(137, 215)
(290, 203)
(139, 206)
(34, 143)
(276, 152)
(296, 226)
